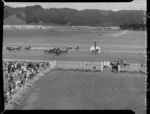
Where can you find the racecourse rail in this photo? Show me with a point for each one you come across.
(87, 65)
(101, 45)
(86, 50)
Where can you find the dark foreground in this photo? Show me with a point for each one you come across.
(78, 90)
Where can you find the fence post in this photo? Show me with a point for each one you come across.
(55, 63)
(101, 64)
(82, 65)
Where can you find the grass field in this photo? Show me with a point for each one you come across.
(79, 90)
(74, 37)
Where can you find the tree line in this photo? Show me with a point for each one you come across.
(66, 16)
(133, 27)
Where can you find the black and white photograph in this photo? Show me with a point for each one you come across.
(75, 56)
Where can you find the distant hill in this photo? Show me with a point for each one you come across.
(14, 20)
(66, 16)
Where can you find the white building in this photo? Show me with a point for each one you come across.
(92, 48)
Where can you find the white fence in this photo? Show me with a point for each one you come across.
(134, 68)
(79, 65)
(85, 65)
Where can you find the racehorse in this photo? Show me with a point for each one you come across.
(69, 48)
(56, 51)
(17, 48)
(115, 67)
(27, 48)
(63, 51)
(59, 51)
(123, 63)
(95, 51)
(10, 48)
(48, 51)
(77, 47)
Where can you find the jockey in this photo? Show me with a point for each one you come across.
(112, 64)
(124, 62)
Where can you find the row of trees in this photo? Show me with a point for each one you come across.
(66, 16)
(133, 27)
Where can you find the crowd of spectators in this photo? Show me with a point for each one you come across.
(17, 73)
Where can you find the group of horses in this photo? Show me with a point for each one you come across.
(18, 48)
(56, 51)
(117, 64)
(75, 47)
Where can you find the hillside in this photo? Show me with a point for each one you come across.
(65, 16)
(14, 20)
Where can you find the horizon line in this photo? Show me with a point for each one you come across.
(75, 8)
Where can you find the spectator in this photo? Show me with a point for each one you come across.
(15, 74)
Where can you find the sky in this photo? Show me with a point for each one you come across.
(134, 5)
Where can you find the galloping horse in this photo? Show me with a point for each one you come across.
(69, 48)
(27, 48)
(56, 51)
(48, 51)
(10, 48)
(77, 47)
(95, 51)
(115, 67)
(64, 51)
(17, 48)
(123, 63)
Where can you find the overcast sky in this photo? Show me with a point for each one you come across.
(135, 5)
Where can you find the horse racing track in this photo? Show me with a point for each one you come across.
(83, 90)
(114, 45)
